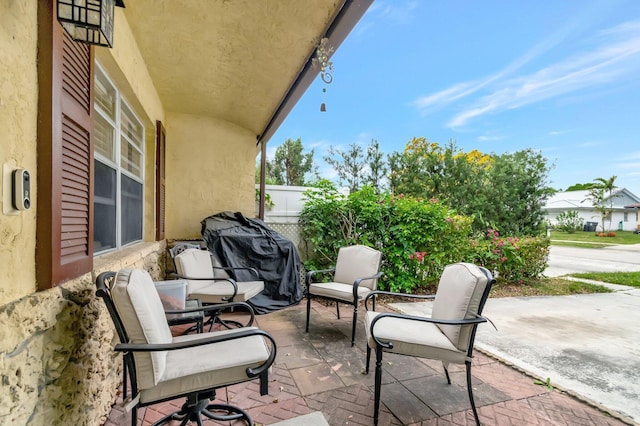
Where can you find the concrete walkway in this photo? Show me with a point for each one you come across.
(588, 345)
(566, 260)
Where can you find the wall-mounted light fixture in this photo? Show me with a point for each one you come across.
(89, 21)
(323, 52)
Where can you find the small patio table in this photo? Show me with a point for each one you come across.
(196, 317)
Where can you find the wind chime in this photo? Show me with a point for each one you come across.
(323, 51)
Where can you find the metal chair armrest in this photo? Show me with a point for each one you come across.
(389, 293)
(388, 345)
(207, 340)
(357, 282)
(310, 274)
(253, 271)
(230, 280)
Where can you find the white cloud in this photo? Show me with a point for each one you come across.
(461, 90)
(489, 138)
(629, 165)
(383, 13)
(589, 144)
(632, 155)
(559, 132)
(617, 56)
(399, 12)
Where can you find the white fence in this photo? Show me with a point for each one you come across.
(283, 216)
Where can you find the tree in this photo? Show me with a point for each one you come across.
(607, 186)
(504, 192)
(290, 164)
(580, 187)
(516, 190)
(349, 165)
(417, 170)
(597, 198)
(427, 170)
(356, 168)
(377, 166)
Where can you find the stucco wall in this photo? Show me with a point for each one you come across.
(210, 168)
(125, 66)
(57, 364)
(18, 118)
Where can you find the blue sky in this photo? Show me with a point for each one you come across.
(562, 77)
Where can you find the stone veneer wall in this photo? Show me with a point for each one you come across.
(57, 364)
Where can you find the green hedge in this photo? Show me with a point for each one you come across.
(417, 237)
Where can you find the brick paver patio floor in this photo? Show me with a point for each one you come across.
(320, 371)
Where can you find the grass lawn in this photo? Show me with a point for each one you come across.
(623, 278)
(589, 239)
(546, 287)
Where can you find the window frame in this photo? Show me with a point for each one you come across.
(120, 169)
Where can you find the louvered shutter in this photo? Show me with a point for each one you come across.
(64, 248)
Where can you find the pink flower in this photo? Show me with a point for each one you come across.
(418, 255)
(503, 259)
(433, 200)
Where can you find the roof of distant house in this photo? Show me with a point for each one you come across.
(567, 200)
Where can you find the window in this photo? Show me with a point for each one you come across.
(626, 217)
(119, 169)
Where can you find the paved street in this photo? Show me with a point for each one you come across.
(566, 260)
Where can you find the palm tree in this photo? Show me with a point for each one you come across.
(607, 186)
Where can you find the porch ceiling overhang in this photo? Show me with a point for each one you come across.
(243, 61)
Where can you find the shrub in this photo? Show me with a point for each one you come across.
(417, 237)
(511, 259)
(398, 226)
(569, 221)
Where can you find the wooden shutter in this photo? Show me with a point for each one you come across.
(160, 188)
(64, 247)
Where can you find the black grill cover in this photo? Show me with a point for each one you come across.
(238, 241)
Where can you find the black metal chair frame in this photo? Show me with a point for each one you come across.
(197, 403)
(380, 345)
(355, 303)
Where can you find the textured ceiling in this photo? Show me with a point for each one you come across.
(230, 59)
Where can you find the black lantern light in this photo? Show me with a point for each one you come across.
(89, 21)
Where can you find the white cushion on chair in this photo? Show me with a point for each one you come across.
(357, 262)
(208, 366)
(413, 338)
(337, 291)
(139, 306)
(458, 297)
(194, 263)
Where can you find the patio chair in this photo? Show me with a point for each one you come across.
(447, 335)
(355, 276)
(221, 272)
(210, 283)
(162, 367)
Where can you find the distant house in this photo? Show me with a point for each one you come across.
(625, 215)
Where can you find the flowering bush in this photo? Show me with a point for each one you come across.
(511, 259)
(417, 238)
